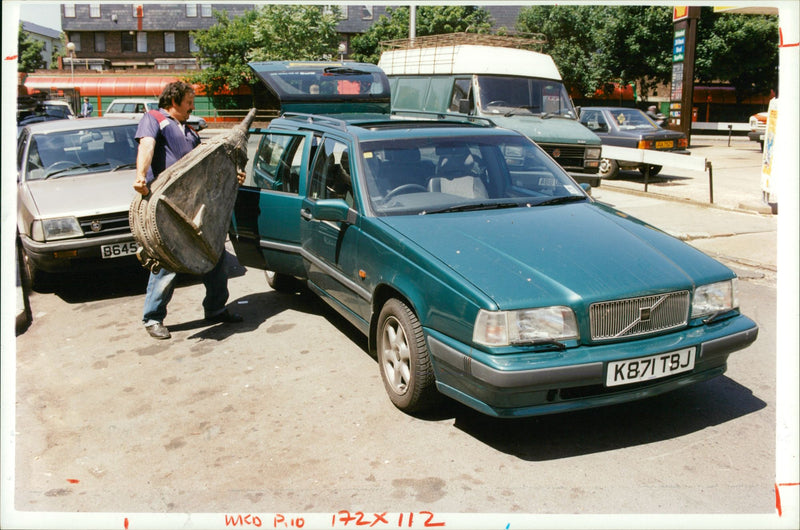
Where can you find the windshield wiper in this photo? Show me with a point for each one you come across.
(561, 200)
(473, 207)
(124, 166)
(76, 166)
(515, 109)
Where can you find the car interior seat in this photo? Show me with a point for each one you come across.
(456, 174)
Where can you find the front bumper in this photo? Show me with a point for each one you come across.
(756, 136)
(532, 384)
(55, 256)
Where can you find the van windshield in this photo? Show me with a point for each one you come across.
(524, 95)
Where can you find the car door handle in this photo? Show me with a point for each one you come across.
(305, 213)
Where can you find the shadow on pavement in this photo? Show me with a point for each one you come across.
(655, 419)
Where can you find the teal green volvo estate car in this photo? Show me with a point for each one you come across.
(478, 268)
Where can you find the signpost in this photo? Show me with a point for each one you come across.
(682, 88)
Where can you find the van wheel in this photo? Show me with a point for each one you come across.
(403, 358)
(609, 169)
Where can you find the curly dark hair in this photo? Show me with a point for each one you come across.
(174, 93)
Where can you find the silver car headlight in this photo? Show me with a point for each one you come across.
(593, 152)
(715, 298)
(525, 326)
(58, 228)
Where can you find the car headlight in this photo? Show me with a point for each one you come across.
(715, 298)
(593, 152)
(504, 328)
(58, 228)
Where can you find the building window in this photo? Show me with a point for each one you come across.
(69, 10)
(205, 10)
(193, 47)
(191, 10)
(169, 42)
(75, 38)
(94, 10)
(126, 41)
(366, 13)
(99, 42)
(141, 42)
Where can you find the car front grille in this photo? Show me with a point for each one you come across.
(566, 155)
(638, 316)
(105, 225)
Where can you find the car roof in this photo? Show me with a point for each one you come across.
(133, 100)
(613, 109)
(395, 126)
(70, 125)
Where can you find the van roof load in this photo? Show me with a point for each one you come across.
(525, 41)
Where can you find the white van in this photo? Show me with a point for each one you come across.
(516, 88)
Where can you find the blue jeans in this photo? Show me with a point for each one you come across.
(162, 284)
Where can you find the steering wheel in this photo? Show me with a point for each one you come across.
(498, 103)
(404, 188)
(59, 166)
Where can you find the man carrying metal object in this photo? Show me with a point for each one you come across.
(164, 139)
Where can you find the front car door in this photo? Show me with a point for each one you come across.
(266, 219)
(331, 230)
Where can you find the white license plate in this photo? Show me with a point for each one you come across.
(647, 368)
(118, 250)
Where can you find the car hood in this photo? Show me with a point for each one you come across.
(547, 130)
(550, 255)
(82, 195)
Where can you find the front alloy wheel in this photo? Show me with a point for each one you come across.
(403, 358)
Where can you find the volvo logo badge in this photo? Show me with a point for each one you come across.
(96, 225)
(645, 314)
(556, 153)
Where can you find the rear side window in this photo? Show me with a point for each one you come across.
(330, 178)
(278, 162)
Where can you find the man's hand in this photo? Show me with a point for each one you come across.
(140, 185)
(241, 176)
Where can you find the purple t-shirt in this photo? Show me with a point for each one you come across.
(172, 143)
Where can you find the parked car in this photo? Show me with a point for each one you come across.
(128, 107)
(38, 111)
(74, 187)
(477, 267)
(758, 127)
(629, 127)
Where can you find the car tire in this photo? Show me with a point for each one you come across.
(283, 283)
(609, 169)
(654, 170)
(32, 278)
(403, 358)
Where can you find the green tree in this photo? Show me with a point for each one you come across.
(431, 20)
(740, 49)
(29, 56)
(593, 45)
(271, 33)
(572, 41)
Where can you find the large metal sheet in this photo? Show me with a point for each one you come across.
(182, 224)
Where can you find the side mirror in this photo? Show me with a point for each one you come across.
(334, 210)
(587, 188)
(464, 107)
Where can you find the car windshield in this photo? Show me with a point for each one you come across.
(632, 119)
(524, 95)
(438, 175)
(80, 151)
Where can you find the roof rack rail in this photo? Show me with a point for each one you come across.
(316, 118)
(525, 41)
(446, 116)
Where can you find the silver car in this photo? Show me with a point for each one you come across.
(74, 188)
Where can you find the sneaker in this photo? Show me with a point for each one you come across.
(158, 331)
